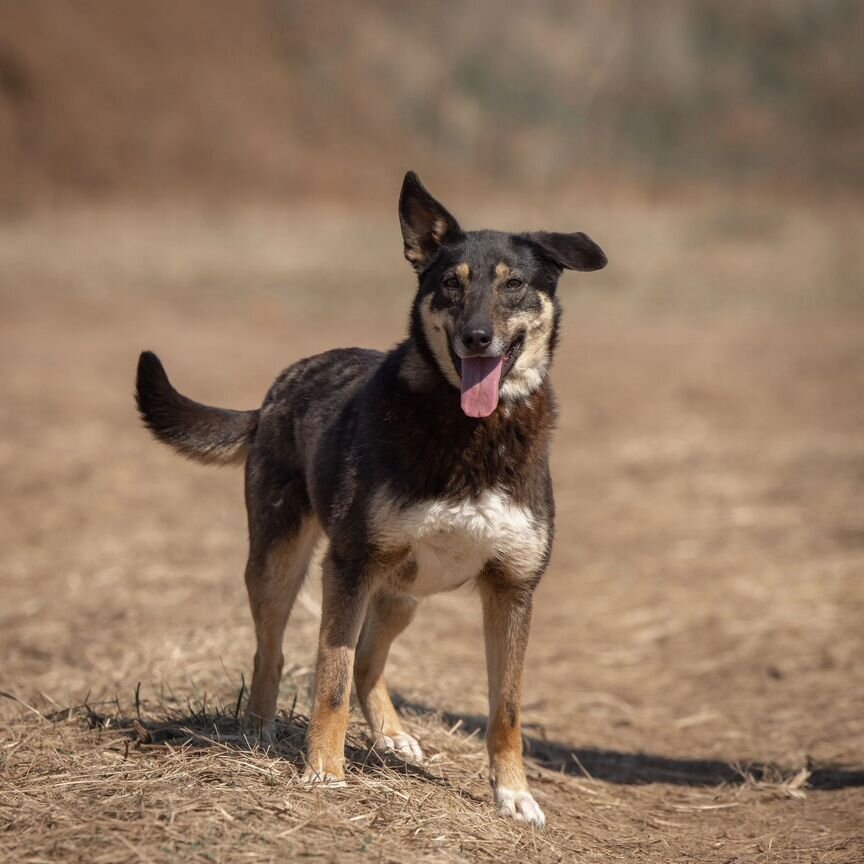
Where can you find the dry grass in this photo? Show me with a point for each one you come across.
(166, 774)
(107, 782)
(149, 779)
(694, 691)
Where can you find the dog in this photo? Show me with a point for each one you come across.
(426, 467)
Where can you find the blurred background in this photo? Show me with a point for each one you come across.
(217, 181)
(284, 99)
(266, 134)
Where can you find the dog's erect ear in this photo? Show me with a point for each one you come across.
(571, 251)
(426, 224)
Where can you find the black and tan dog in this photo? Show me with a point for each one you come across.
(426, 468)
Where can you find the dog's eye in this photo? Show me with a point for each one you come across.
(451, 282)
(514, 283)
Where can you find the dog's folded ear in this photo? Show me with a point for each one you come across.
(570, 251)
(426, 224)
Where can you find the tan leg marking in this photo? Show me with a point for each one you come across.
(388, 616)
(272, 586)
(342, 615)
(507, 623)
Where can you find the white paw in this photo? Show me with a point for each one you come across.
(519, 806)
(402, 744)
(322, 778)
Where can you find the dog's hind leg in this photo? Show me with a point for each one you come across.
(388, 616)
(274, 575)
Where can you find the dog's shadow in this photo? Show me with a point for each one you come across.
(634, 769)
(204, 729)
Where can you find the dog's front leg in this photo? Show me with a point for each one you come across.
(345, 597)
(507, 610)
(388, 616)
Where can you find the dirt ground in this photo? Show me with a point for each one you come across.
(695, 690)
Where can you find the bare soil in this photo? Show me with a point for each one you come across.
(695, 690)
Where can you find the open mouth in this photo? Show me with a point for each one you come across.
(511, 354)
(482, 377)
(508, 359)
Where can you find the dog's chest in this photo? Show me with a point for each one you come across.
(449, 542)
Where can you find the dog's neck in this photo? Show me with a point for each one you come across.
(435, 450)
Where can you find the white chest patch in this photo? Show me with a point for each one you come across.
(450, 541)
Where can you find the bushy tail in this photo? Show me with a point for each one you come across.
(215, 436)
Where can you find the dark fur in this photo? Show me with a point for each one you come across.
(209, 435)
(336, 427)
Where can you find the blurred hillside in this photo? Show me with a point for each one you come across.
(115, 98)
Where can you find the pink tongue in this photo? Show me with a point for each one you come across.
(480, 379)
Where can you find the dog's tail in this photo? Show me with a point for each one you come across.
(214, 436)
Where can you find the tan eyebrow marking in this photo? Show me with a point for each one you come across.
(502, 270)
(463, 271)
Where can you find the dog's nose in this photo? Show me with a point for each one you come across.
(476, 338)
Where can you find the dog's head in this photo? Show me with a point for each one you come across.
(486, 312)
